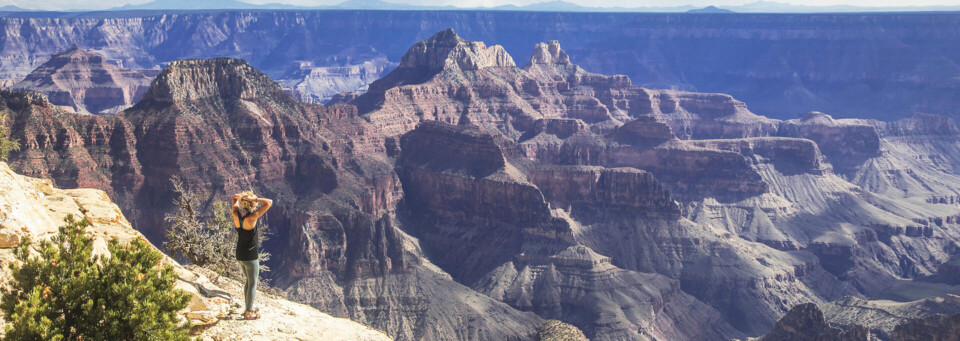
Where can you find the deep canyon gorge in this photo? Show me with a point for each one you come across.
(470, 193)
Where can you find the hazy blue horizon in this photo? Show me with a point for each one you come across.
(743, 5)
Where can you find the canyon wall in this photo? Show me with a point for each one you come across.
(783, 65)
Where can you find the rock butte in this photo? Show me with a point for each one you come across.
(465, 197)
(85, 82)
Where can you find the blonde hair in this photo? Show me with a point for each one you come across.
(249, 205)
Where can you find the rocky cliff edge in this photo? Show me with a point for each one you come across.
(31, 207)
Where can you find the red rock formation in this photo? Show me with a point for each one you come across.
(222, 127)
(788, 155)
(87, 83)
(480, 86)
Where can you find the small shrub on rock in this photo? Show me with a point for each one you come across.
(63, 291)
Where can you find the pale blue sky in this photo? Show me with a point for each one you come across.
(102, 4)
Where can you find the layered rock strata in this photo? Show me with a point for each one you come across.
(222, 127)
(86, 82)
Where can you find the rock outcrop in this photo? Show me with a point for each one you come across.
(554, 330)
(806, 322)
(763, 180)
(86, 82)
(938, 327)
(848, 143)
(34, 208)
(883, 316)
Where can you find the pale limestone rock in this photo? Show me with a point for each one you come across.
(8, 237)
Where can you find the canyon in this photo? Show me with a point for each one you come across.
(465, 195)
(783, 65)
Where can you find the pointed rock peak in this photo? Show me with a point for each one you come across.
(446, 50)
(221, 78)
(447, 36)
(549, 53)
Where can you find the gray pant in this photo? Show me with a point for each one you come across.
(251, 270)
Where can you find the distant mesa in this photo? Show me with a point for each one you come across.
(554, 6)
(196, 5)
(12, 8)
(235, 4)
(372, 4)
(710, 9)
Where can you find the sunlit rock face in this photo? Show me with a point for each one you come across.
(465, 197)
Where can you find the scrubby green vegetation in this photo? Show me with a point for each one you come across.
(7, 144)
(63, 291)
(554, 330)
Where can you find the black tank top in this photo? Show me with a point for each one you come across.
(247, 242)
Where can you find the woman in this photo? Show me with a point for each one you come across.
(247, 208)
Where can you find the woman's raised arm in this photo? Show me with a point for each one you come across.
(265, 205)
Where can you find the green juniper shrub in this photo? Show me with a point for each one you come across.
(7, 145)
(63, 291)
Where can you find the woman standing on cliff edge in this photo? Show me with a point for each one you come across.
(247, 208)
